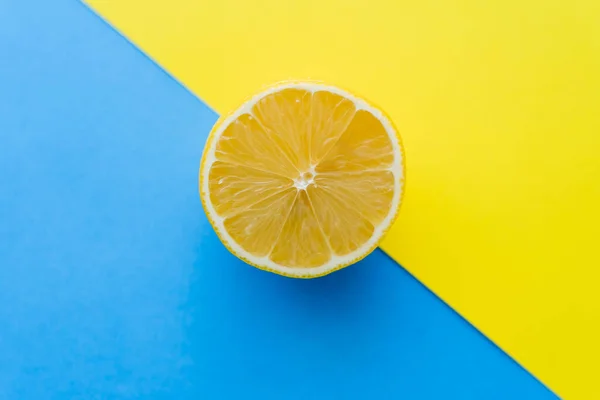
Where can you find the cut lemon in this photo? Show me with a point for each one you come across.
(303, 179)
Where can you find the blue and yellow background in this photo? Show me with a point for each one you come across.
(114, 286)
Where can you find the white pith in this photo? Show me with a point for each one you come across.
(335, 261)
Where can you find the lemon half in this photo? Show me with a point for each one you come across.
(302, 179)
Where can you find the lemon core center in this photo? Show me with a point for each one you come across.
(304, 180)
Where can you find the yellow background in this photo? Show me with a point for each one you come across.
(498, 103)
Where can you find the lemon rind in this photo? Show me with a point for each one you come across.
(336, 262)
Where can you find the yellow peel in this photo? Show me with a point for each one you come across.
(274, 151)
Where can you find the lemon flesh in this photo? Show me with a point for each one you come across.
(303, 179)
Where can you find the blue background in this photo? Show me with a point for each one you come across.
(114, 286)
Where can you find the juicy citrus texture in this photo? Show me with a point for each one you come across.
(302, 179)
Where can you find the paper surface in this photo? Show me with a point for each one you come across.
(113, 284)
(497, 103)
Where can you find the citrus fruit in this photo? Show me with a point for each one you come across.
(302, 179)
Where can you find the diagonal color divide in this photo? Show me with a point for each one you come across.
(497, 103)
